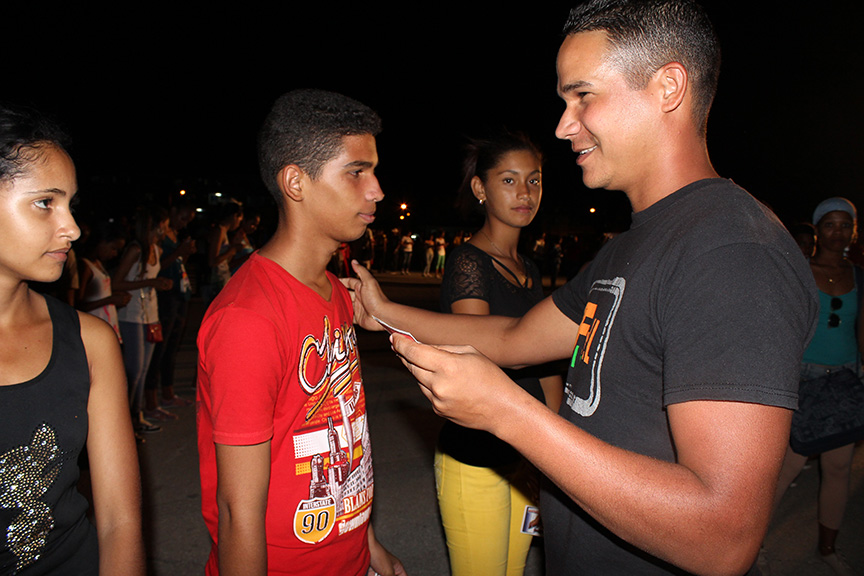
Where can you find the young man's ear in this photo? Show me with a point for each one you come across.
(290, 180)
(673, 82)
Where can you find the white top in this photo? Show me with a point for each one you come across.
(143, 308)
(99, 287)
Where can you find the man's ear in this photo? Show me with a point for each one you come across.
(291, 179)
(673, 83)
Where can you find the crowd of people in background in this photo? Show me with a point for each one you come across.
(392, 251)
(138, 271)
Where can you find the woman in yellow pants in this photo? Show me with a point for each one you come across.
(482, 482)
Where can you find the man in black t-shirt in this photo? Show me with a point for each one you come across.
(684, 334)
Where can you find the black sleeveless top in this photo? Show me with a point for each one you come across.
(471, 273)
(43, 429)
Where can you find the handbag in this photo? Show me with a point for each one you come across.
(830, 413)
(154, 332)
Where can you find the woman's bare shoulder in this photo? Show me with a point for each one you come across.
(98, 336)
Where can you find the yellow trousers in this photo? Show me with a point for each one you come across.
(482, 512)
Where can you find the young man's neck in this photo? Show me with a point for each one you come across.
(677, 167)
(305, 260)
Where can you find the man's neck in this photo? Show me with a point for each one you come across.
(675, 169)
(304, 260)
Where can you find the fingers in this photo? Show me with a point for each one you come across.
(350, 283)
(421, 374)
(427, 392)
(453, 349)
(429, 357)
(361, 271)
(409, 350)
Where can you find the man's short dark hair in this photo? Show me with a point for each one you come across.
(306, 127)
(645, 35)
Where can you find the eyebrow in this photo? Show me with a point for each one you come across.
(511, 171)
(57, 191)
(359, 164)
(574, 86)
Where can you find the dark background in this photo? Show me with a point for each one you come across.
(162, 99)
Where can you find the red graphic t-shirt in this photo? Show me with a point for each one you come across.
(277, 362)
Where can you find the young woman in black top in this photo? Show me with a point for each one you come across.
(484, 486)
(62, 384)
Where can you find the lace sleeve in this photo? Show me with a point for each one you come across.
(466, 276)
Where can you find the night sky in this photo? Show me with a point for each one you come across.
(159, 100)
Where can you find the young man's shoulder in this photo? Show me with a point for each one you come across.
(263, 287)
(717, 212)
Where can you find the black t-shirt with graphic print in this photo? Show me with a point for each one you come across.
(706, 297)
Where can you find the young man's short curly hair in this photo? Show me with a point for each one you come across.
(306, 127)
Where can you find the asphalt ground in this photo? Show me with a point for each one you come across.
(403, 430)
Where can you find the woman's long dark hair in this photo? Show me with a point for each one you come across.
(144, 221)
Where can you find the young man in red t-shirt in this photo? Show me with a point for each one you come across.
(285, 459)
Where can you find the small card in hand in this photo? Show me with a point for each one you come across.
(394, 330)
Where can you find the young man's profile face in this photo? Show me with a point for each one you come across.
(609, 125)
(344, 196)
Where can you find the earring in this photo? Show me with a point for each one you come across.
(482, 200)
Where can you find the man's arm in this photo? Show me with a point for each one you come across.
(382, 562)
(542, 335)
(707, 513)
(243, 474)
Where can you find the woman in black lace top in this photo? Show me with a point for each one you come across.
(483, 483)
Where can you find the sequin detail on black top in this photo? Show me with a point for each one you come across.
(26, 474)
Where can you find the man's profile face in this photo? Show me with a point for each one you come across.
(609, 125)
(346, 192)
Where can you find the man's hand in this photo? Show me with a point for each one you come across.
(366, 295)
(463, 385)
(382, 562)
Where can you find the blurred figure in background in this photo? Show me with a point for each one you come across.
(173, 312)
(429, 245)
(834, 355)
(137, 274)
(406, 246)
(95, 294)
(805, 236)
(440, 254)
(242, 239)
(220, 247)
